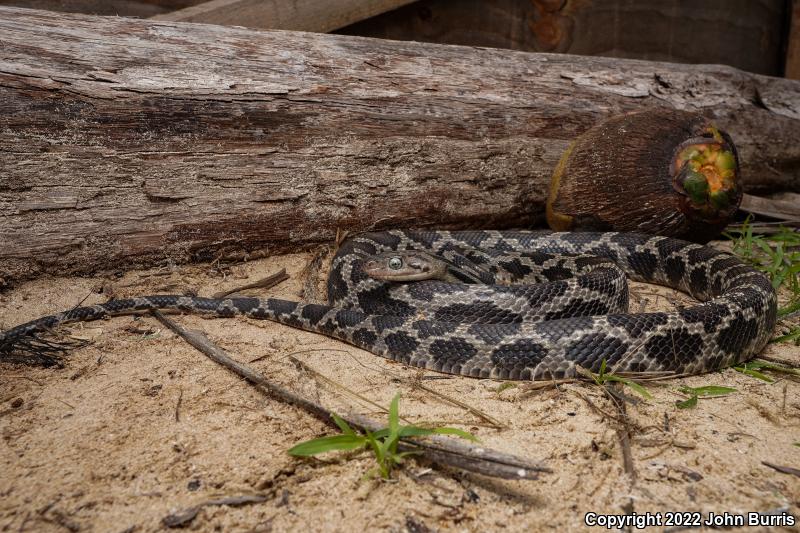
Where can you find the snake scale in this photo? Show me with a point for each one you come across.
(509, 331)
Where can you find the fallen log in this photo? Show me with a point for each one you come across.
(126, 142)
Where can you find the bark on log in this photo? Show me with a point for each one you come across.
(129, 142)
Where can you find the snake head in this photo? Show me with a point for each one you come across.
(410, 265)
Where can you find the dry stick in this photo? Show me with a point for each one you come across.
(414, 383)
(470, 409)
(325, 379)
(264, 283)
(493, 423)
(184, 516)
(624, 434)
(783, 469)
(627, 456)
(178, 406)
(440, 450)
(594, 407)
(624, 431)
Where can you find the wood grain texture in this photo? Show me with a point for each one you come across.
(127, 142)
(301, 15)
(792, 66)
(746, 34)
(120, 8)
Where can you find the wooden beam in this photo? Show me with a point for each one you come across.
(301, 15)
(745, 34)
(792, 68)
(130, 142)
(114, 8)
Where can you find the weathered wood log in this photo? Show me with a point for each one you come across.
(127, 142)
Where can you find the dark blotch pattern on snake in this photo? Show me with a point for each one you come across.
(511, 332)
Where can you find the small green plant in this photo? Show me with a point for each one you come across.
(754, 368)
(694, 393)
(602, 377)
(792, 336)
(383, 443)
(777, 255)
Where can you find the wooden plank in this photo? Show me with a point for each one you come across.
(746, 34)
(121, 8)
(785, 208)
(792, 67)
(129, 142)
(301, 15)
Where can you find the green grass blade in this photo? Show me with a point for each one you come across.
(380, 434)
(343, 425)
(327, 444)
(375, 444)
(753, 373)
(689, 403)
(632, 384)
(792, 336)
(402, 455)
(457, 432)
(388, 446)
(394, 415)
(759, 364)
(708, 391)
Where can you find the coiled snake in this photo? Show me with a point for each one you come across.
(506, 330)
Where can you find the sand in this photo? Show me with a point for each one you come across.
(139, 426)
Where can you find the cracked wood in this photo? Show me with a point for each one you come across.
(127, 142)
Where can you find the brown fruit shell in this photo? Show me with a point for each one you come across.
(627, 174)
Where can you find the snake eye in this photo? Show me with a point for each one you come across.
(395, 263)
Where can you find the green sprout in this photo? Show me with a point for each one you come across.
(778, 256)
(602, 377)
(383, 443)
(695, 393)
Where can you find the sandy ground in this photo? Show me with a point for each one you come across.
(138, 425)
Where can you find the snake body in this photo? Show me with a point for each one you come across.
(520, 332)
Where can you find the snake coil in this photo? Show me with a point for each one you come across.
(521, 333)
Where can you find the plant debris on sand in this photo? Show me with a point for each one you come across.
(138, 426)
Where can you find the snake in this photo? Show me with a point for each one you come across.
(503, 304)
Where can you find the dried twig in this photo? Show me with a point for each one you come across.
(178, 406)
(783, 469)
(470, 409)
(339, 386)
(440, 450)
(785, 210)
(413, 382)
(183, 517)
(264, 283)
